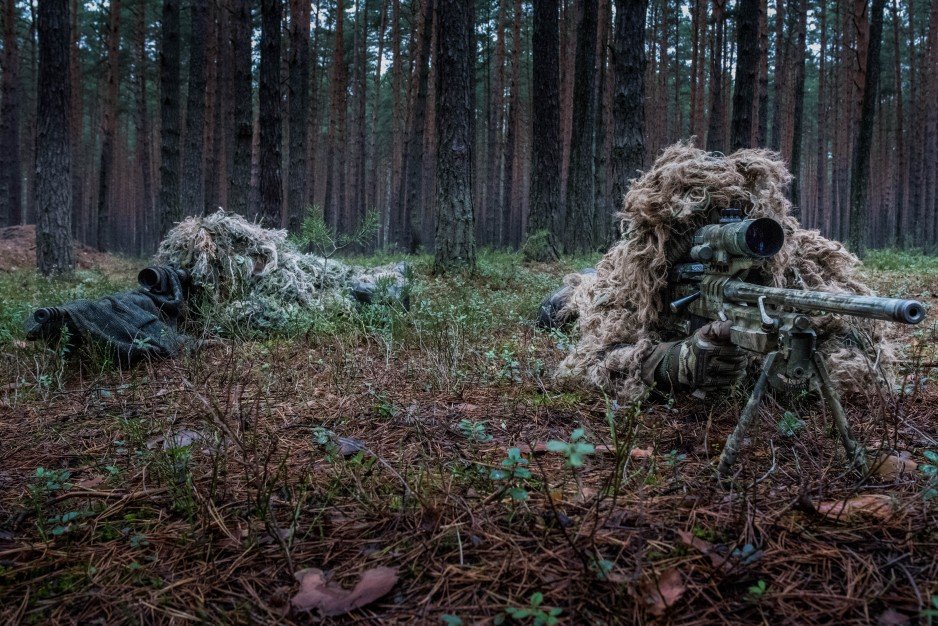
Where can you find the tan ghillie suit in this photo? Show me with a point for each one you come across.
(620, 309)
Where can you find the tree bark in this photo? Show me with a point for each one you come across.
(193, 183)
(798, 56)
(715, 140)
(54, 252)
(860, 176)
(108, 127)
(491, 212)
(408, 235)
(360, 81)
(142, 121)
(603, 232)
(169, 117)
(455, 232)
(299, 110)
(628, 111)
(511, 214)
(11, 176)
(239, 184)
(747, 69)
(762, 106)
(270, 182)
(334, 208)
(372, 170)
(580, 218)
(546, 213)
(822, 209)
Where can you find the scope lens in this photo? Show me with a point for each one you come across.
(764, 237)
(149, 277)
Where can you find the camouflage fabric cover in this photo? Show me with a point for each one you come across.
(125, 327)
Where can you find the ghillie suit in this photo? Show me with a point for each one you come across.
(253, 277)
(620, 310)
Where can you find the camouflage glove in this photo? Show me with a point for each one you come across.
(706, 360)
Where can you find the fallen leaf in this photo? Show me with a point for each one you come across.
(641, 453)
(540, 447)
(891, 466)
(717, 560)
(180, 439)
(333, 599)
(891, 617)
(91, 483)
(875, 505)
(664, 592)
(349, 446)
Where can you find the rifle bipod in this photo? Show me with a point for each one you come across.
(816, 373)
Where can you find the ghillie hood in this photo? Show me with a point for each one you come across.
(620, 308)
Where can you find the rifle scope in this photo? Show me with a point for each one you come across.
(46, 315)
(759, 238)
(156, 278)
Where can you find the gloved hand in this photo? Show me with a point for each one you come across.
(706, 360)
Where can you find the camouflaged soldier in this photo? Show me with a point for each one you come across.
(626, 339)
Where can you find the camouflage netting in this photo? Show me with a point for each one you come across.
(256, 278)
(619, 309)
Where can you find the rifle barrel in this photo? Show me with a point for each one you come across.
(873, 307)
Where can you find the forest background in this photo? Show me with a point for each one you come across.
(267, 108)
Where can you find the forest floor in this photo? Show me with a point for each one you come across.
(409, 454)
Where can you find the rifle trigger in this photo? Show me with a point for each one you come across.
(767, 322)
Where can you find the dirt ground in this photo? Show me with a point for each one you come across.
(18, 251)
(203, 490)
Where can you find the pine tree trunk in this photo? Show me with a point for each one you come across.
(602, 230)
(270, 184)
(492, 209)
(217, 135)
(628, 114)
(822, 209)
(510, 212)
(169, 207)
(54, 253)
(798, 58)
(930, 162)
(715, 138)
(408, 236)
(76, 123)
(393, 208)
(193, 183)
(299, 110)
(579, 227)
(108, 127)
(357, 205)
(455, 232)
(762, 105)
(372, 170)
(334, 207)
(747, 70)
(11, 194)
(142, 121)
(239, 185)
(546, 213)
(860, 176)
